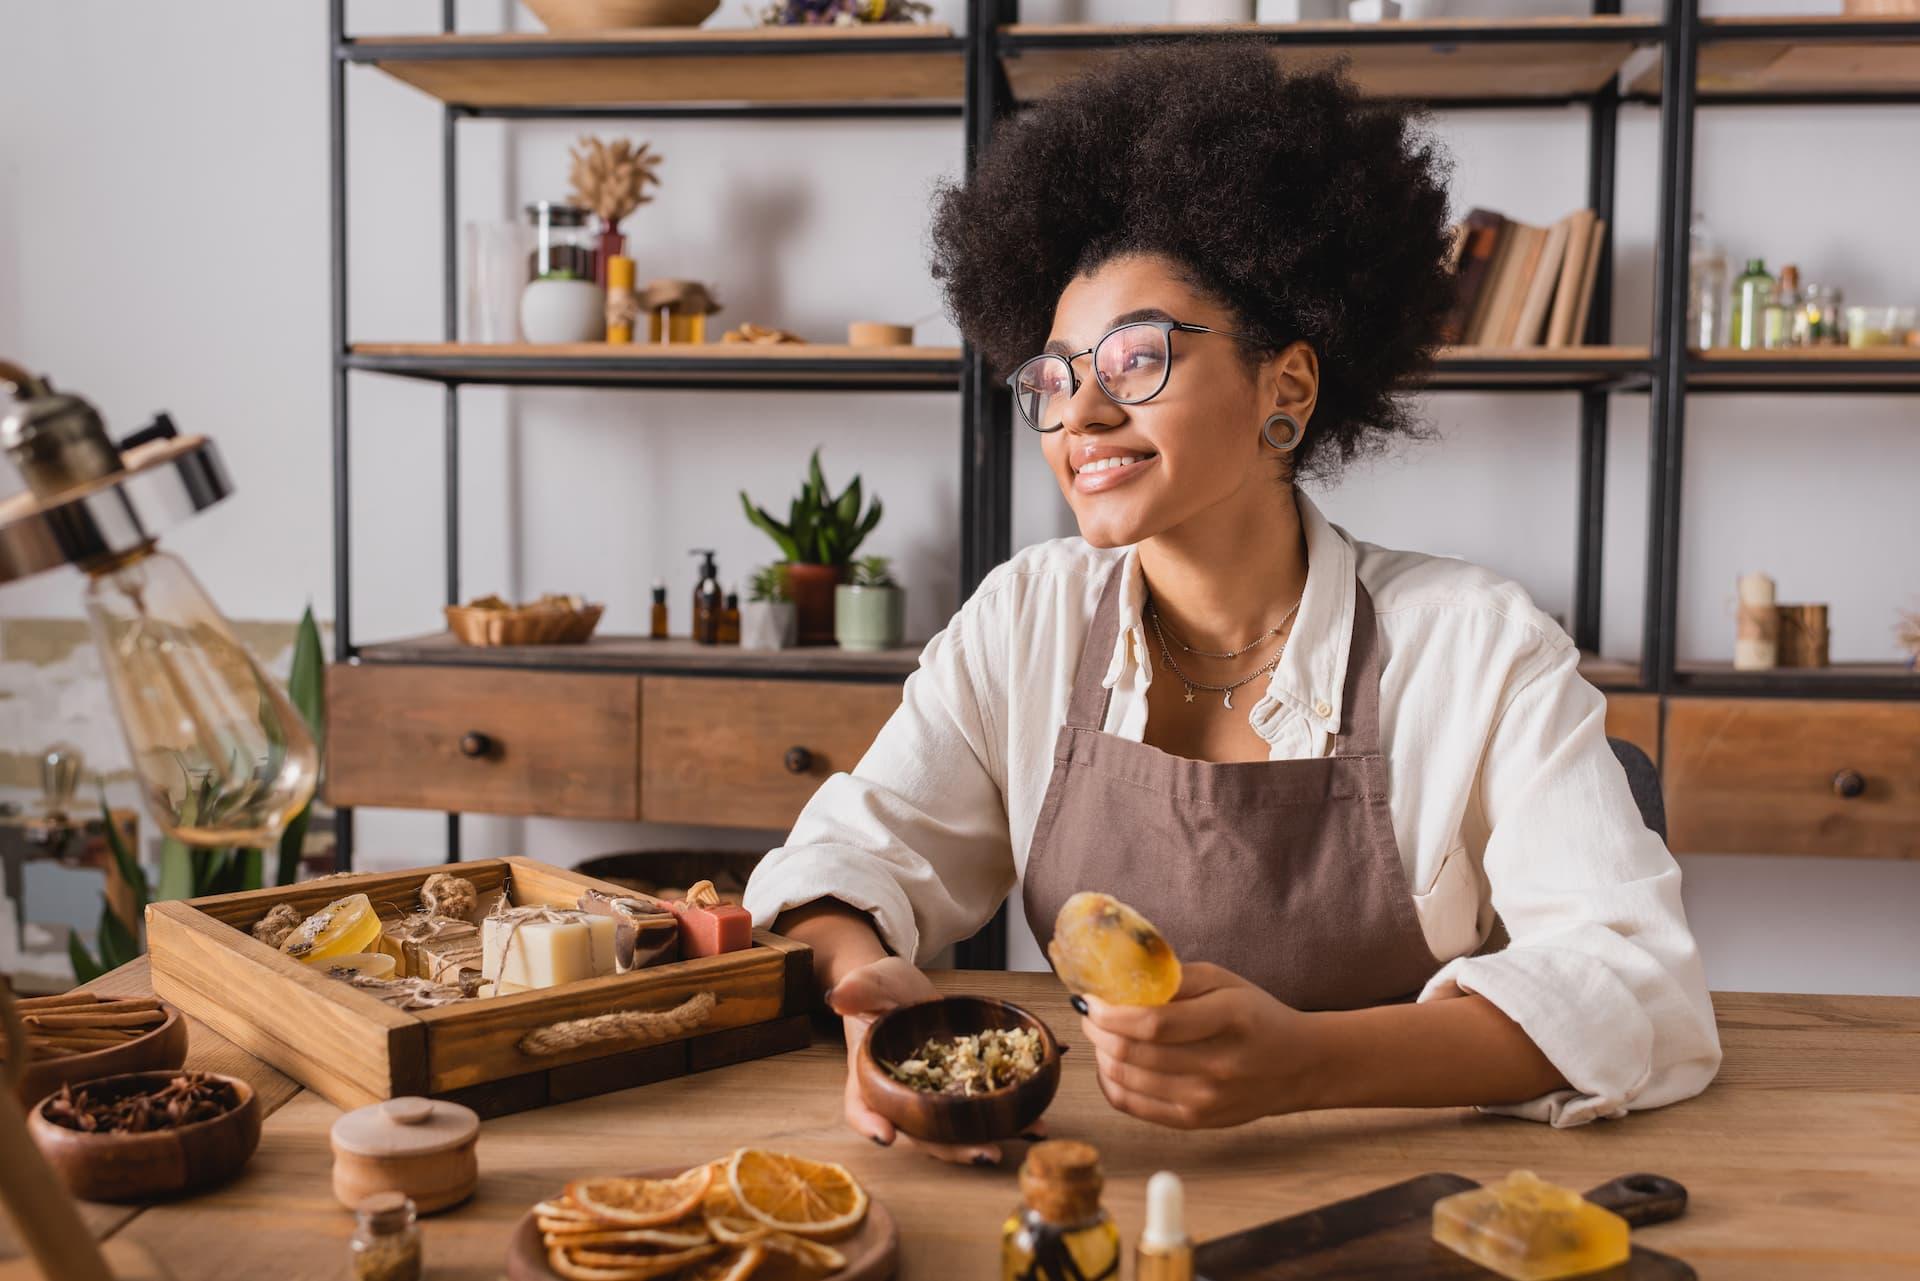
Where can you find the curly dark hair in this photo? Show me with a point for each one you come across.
(1311, 214)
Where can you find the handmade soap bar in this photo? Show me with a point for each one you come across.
(1531, 1230)
(532, 947)
(645, 932)
(342, 927)
(437, 949)
(709, 927)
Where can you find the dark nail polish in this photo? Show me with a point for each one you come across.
(1079, 1003)
(1034, 1137)
(983, 1159)
(879, 1142)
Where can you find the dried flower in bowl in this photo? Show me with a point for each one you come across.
(973, 1064)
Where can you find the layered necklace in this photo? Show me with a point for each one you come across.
(1160, 631)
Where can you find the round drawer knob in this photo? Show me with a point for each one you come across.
(1848, 784)
(474, 744)
(799, 760)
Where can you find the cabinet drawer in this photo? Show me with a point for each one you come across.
(1636, 719)
(749, 753)
(1786, 776)
(484, 739)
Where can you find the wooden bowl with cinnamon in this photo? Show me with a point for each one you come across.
(135, 1034)
(203, 1127)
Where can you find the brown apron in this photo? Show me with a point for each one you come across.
(1284, 872)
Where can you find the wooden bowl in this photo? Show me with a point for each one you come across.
(526, 625)
(1005, 1113)
(160, 1163)
(162, 1048)
(611, 15)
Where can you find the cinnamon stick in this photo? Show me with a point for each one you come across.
(90, 1019)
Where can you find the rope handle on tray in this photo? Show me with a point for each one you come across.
(643, 1025)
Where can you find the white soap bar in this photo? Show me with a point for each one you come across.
(561, 947)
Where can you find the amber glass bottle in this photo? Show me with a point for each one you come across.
(1059, 1232)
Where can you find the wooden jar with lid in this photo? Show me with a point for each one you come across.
(422, 1147)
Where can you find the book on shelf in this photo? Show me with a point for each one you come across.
(1521, 286)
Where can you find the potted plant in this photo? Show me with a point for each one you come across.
(766, 620)
(819, 537)
(870, 611)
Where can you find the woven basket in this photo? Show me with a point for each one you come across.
(526, 625)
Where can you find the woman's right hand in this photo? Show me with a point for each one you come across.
(861, 997)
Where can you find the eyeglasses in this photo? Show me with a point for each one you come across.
(1130, 362)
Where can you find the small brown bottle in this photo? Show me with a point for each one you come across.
(730, 618)
(659, 629)
(1061, 1230)
(708, 603)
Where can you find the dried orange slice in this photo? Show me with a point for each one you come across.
(793, 1194)
(578, 1265)
(1101, 947)
(673, 1237)
(642, 1203)
(814, 1258)
(736, 1266)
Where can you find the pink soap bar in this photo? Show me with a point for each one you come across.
(709, 931)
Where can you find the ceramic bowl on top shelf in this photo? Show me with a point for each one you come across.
(1005, 1113)
(613, 15)
(162, 1049)
(144, 1166)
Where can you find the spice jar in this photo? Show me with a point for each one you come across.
(421, 1148)
(1060, 1228)
(386, 1241)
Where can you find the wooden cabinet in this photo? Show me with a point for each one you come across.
(1791, 776)
(1636, 719)
(748, 753)
(484, 739)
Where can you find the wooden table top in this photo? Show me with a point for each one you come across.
(1803, 1159)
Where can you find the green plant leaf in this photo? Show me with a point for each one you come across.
(129, 867)
(817, 480)
(306, 678)
(247, 865)
(847, 510)
(85, 968)
(293, 843)
(117, 944)
(761, 519)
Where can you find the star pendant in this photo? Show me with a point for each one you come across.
(1189, 693)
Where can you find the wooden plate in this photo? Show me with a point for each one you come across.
(872, 1252)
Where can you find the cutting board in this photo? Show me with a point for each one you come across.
(1389, 1233)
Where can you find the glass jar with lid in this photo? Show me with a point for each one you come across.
(563, 241)
(1816, 321)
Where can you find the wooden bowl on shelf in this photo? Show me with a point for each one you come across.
(1005, 1113)
(162, 1049)
(523, 625)
(614, 15)
(156, 1163)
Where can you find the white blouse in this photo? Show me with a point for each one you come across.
(1506, 798)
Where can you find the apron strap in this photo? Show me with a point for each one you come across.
(1087, 706)
(1360, 702)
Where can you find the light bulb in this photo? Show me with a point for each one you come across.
(221, 755)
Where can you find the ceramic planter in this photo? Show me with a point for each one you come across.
(869, 618)
(767, 624)
(811, 587)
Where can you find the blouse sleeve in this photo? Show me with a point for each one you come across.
(1601, 972)
(916, 835)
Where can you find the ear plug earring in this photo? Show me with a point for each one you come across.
(1295, 433)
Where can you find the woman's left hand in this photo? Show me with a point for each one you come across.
(1222, 1052)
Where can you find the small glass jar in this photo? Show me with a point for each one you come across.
(1879, 326)
(1817, 320)
(1060, 1228)
(563, 241)
(386, 1241)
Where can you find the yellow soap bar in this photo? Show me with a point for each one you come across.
(1531, 1230)
(341, 928)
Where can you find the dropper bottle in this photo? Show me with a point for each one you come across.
(1165, 1253)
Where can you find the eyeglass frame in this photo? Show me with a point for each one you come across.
(1167, 329)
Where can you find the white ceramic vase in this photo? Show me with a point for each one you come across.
(768, 624)
(553, 311)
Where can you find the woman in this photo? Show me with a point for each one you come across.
(1326, 770)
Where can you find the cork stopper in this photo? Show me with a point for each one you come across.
(385, 1213)
(1061, 1181)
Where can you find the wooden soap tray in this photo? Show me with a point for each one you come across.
(353, 1049)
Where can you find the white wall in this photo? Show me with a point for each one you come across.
(163, 243)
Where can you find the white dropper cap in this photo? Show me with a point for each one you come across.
(1166, 1213)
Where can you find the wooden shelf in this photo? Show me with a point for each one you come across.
(1610, 673)
(1832, 55)
(639, 654)
(1539, 368)
(595, 364)
(1508, 59)
(892, 62)
(1841, 680)
(1864, 369)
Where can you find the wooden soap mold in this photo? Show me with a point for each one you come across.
(353, 1050)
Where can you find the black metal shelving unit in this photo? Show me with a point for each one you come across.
(996, 56)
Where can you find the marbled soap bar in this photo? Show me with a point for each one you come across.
(534, 947)
(1530, 1230)
(709, 927)
(645, 932)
